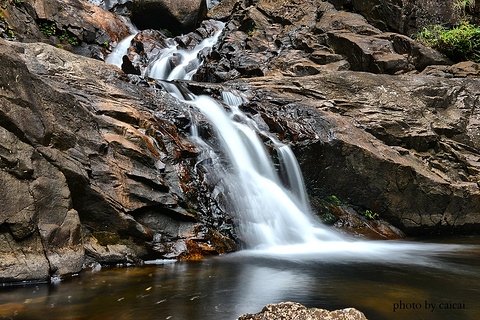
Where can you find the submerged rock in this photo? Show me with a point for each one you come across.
(291, 310)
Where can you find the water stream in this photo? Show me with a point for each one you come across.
(226, 287)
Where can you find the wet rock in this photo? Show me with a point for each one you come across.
(83, 152)
(349, 221)
(405, 147)
(177, 17)
(120, 7)
(352, 223)
(292, 310)
(147, 45)
(76, 25)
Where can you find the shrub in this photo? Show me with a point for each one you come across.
(459, 43)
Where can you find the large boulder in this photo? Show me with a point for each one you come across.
(404, 16)
(405, 147)
(176, 16)
(94, 168)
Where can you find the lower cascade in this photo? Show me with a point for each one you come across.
(268, 200)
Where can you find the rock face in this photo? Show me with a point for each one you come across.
(93, 168)
(291, 310)
(301, 38)
(76, 25)
(176, 16)
(404, 147)
(404, 16)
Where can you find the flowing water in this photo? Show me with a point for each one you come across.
(225, 287)
(292, 256)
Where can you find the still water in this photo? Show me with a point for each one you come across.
(226, 287)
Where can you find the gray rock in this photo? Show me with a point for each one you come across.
(404, 16)
(265, 39)
(177, 16)
(405, 147)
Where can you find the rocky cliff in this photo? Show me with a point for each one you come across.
(96, 164)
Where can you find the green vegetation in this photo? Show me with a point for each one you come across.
(250, 31)
(370, 215)
(73, 41)
(463, 6)
(50, 29)
(7, 30)
(167, 33)
(328, 208)
(459, 43)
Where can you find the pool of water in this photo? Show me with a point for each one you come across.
(444, 285)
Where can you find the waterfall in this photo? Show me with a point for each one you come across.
(120, 50)
(268, 200)
(269, 203)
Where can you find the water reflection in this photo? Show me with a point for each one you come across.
(228, 286)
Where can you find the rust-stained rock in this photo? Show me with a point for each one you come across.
(85, 153)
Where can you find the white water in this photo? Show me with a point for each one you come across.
(120, 50)
(270, 205)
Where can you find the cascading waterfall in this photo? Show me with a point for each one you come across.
(270, 203)
(120, 50)
(268, 212)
